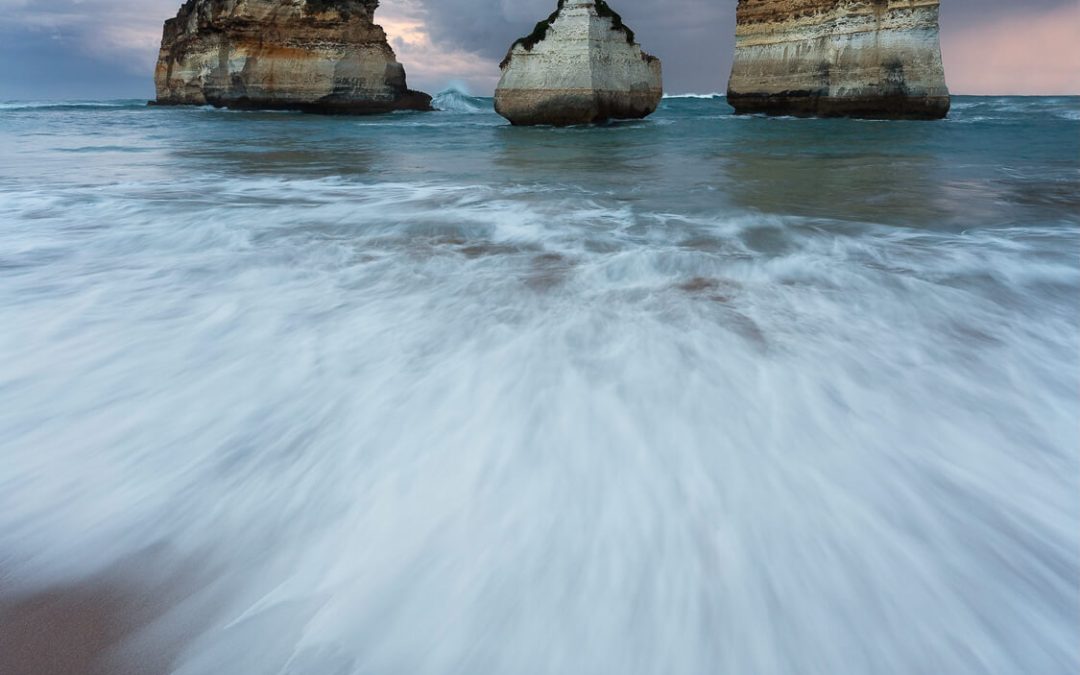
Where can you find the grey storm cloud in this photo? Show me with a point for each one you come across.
(484, 25)
(106, 47)
(694, 38)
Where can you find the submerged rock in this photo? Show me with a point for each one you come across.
(858, 58)
(312, 55)
(579, 66)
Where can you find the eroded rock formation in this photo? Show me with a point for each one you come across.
(579, 66)
(312, 55)
(860, 58)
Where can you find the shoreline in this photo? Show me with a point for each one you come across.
(122, 621)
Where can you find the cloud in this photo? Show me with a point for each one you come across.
(1017, 53)
(693, 37)
(432, 66)
(990, 45)
(107, 30)
(56, 47)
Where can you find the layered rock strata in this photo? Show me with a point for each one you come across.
(311, 55)
(858, 58)
(579, 66)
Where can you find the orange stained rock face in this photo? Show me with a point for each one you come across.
(318, 55)
(862, 58)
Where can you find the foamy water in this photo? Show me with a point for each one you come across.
(429, 394)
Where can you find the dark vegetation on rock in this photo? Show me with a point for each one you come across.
(343, 6)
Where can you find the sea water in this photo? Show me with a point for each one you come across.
(426, 393)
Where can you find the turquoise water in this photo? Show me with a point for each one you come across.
(425, 393)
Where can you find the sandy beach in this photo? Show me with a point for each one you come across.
(119, 622)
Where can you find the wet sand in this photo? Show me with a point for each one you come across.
(117, 623)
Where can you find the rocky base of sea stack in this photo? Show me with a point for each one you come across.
(839, 58)
(319, 56)
(560, 107)
(580, 66)
(410, 100)
(803, 104)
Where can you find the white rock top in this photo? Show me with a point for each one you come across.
(585, 69)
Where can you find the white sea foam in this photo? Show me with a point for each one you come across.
(531, 419)
(67, 105)
(693, 96)
(457, 101)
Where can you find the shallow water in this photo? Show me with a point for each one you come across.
(425, 393)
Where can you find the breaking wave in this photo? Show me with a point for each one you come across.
(62, 106)
(456, 101)
(680, 397)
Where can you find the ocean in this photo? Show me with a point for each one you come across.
(426, 393)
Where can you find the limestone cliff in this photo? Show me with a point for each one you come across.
(579, 66)
(311, 55)
(860, 58)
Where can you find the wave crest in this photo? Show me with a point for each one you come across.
(457, 101)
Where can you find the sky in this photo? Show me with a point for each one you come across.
(56, 49)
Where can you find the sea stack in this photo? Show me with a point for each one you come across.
(324, 56)
(579, 66)
(836, 58)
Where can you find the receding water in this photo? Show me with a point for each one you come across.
(425, 393)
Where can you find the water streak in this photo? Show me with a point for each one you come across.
(429, 394)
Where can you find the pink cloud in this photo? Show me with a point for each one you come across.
(434, 67)
(1016, 54)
